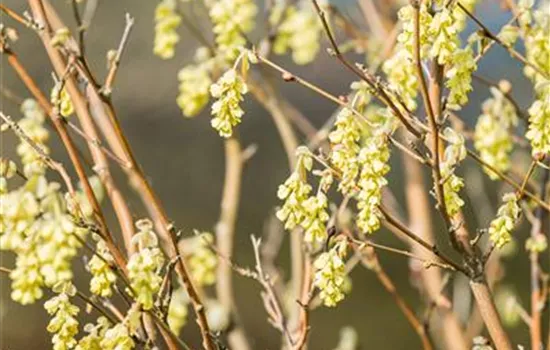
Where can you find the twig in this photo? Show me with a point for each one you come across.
(115, 62)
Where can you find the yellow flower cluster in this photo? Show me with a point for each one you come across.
(232, 19)
(444, 36)
(177, 310)
(95, 333)
(295, 191)
(537, 244)
(194, 84)
(345, 149)
(167, 22)
(35, 221)
(103, 276)
(537, 44)
(62, 101)
(316, 217)
(492, 136)
(202, 261)
(227, 112)
(299, 31)
(64, 324)
(539, 121)
(459, 77)
(117, 338)
(373, 158)
(508, 214)
(144, 265)
(401, 74)
(454, 153)
(330, 275)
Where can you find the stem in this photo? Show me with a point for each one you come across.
(225, 237)
(490, 316)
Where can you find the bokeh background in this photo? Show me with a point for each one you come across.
(183, 159)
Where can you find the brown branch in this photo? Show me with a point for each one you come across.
(115, 62)
(371, 262)
(225, 238)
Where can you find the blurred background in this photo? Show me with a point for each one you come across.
(184, 161)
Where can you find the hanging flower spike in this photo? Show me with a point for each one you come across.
(445, 36)
(26, 279)
(459, 77)
(103, 277)
(330, 275)
(295, 191)
(62, 100)
(538, 131)
(316, 215)
(202, 261)
(167, 22)
(507, 217)
(345, 149)
(95, 333)
(373, 159)
(232, 19)
(299, 31)
(117, 338)
(193, 89)
(454, 153)
(493, 134)
(64, 324)
(145, 264)
(227, 112)
(177, 310)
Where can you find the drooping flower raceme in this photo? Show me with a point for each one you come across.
(299, 31)
(459, 77)
(227, 112)
(177, 310)
(295, 191)
(194, 85)
(62, 100)
(345, 149)
(539, 121)
(144, 265)
(444, 35)
(64, 324)
(167, 22)
(202, 261)
(373, 158)
(103, 276)
(330, 275)
(492, 137)
(454, 153)
(232, 19)
(95, 333)
(316, 215)
(508, 215)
